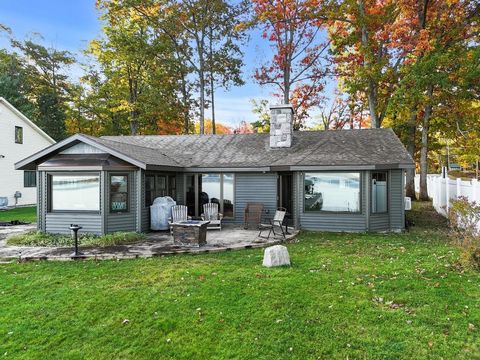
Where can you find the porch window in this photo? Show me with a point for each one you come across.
(379, 192)
(118, 193)
(159, 185)
(332, 192)
(76, 192)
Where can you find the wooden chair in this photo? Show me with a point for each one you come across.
(252, 215)
(210, 213)
(277, 221)
(179, 213)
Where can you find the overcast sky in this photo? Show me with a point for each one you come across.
(71, 24)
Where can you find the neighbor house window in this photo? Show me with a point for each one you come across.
(29, 178)
(18, 135)
(76, 192)
(332, 192)
(118, 193)
(379, 192)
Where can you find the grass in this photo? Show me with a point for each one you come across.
(37, 238)
(373, 296)
(25, 214)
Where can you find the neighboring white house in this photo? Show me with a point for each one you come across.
(19, 138)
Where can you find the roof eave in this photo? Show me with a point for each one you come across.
(28, 162)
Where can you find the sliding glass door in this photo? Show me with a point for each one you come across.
(201, 189)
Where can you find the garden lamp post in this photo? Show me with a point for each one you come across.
(74, 228)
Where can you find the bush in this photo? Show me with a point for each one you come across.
(37, 238)
(464, 219)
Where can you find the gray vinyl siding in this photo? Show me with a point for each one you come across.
(319, 221)
(397, 207)
(145, 209)
(41, 199)
(295, 200)
(58, 223)
(121, 221)
(379, 222)
(255, 187)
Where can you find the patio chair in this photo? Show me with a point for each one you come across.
(277, 221)
(210, 213)
(179, 213)
(252, 215)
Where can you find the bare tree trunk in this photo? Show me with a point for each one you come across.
(424, 148)
(214, 127)
(410, 178)
(371, 91)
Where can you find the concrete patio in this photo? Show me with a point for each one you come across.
(231, 237)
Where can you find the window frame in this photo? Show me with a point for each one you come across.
(120, 211)
(360, 194)
(26, 184)
(18, 128)
(387, 177)
(73, 173)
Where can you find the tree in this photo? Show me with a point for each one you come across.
(364, 58)
(261, 109)
(46, 72)
(297, 70)
(220, 128)
(435, 35)
(14, 83)
(136, 72)
(224, 54)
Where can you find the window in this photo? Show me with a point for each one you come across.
(76, 192)
(18, 135)
(118, 193)
(159, 186)
(29, 178)
(379, 192)
(228, 195)
(332, 192)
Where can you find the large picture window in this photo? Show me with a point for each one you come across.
(79, 192)
(118, 193)
(379, 192)
(332, 192)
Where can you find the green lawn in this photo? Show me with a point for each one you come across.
(25, 214)
(373, 296)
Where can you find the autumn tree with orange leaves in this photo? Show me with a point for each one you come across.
(297, 69)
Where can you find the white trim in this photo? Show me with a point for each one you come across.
(27, 120)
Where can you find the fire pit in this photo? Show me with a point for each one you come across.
(190, 233)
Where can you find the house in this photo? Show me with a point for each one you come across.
(20, 137)
(332, 180)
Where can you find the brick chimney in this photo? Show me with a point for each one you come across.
(281, 126)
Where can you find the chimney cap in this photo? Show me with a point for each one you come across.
(281, 106)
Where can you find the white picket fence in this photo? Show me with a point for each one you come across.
(442, 191)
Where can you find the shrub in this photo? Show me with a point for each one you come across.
(38, 238)
(464, 219)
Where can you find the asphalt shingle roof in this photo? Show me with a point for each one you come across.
(367, 147)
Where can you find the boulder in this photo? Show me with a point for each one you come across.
(276, 256)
